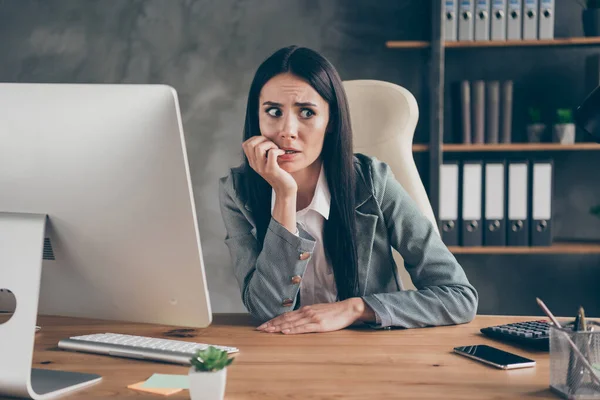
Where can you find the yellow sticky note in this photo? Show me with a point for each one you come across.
(166, 392)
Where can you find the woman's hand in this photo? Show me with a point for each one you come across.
(262, 155)
(324, 317)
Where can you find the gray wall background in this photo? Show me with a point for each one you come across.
(209, 51)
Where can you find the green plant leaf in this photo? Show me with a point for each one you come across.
(564, 116)
(210, 359)
(535, 115)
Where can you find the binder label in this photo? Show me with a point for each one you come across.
(449, 192)
(517, 192)
(494, 191)
(472, 192)
(542, 191)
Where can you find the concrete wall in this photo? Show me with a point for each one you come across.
(209, 51)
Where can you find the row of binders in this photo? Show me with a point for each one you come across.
(467, 20)
(499, 203)
(486, 111)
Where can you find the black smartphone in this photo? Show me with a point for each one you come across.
(495, 357)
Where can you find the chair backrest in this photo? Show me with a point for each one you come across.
(384, 117)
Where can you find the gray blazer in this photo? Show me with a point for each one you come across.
(386, 217)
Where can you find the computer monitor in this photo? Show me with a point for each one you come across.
(101, 171)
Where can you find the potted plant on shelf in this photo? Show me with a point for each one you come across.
(208, 374)
(590, 17)
(535, 127)
(564, 128)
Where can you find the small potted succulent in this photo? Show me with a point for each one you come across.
(564, 128)
(208, 374)
(590, 17)
(535, 127)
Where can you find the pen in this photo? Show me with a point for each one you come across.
(581, 357)
(582, 323)
(572, 375)
(574, 369)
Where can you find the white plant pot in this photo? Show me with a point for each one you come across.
(564, 133)
(207, 385)
(535, 132)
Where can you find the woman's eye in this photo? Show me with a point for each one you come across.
(306, 113)
(274, 112)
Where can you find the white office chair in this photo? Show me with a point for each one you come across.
(384, 117)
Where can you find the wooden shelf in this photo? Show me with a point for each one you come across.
(407, 44)
(574, 41)
(556, 248)
(520, 147)
(464, 148)
(583, 41)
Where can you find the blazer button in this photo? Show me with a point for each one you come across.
(304, 256)
(296, 279)
(287, 302)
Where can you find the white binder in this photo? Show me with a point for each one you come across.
(495, 203)
(450, 20)
(518, 215)
(541, 203)
(530, 19)
(465, 20)
(546, 19)
(498, 20)
(482, 20)
(471, 203)
(514, 24)
(449, 203)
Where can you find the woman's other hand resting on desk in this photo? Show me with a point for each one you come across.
(325, 317)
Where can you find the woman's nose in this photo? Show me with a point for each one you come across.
(289, 128)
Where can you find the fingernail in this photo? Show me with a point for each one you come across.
(285, 331)
(271, 328)
(261, 327)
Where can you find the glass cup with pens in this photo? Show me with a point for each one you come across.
(569, 377)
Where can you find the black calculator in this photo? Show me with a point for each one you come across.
(535, 334)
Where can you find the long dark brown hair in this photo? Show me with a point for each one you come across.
(339, 235)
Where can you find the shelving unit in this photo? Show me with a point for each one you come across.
(584, 41)
(508, 147)
(435, 149)
(556, 248)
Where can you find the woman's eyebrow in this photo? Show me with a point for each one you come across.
(272, 103)
(304, 104)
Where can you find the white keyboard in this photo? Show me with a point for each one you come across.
(139, 347)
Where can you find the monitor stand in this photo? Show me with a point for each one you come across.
(21, 246)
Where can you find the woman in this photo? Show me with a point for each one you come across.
(310, 225)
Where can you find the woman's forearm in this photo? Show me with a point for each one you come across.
(284, 210)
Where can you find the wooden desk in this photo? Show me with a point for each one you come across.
(356, 363)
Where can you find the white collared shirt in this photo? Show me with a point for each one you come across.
(318, 282)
